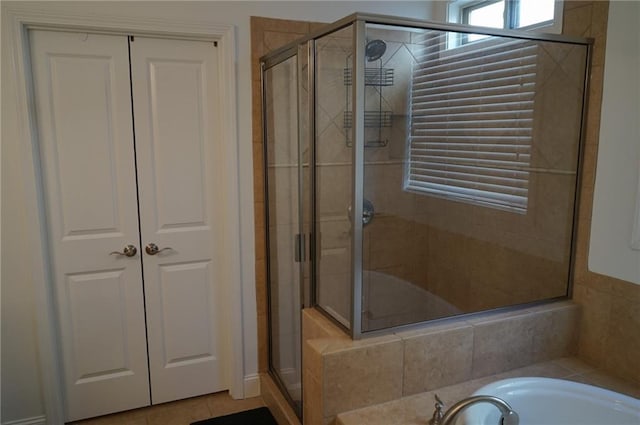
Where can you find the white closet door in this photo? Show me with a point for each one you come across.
(177, 144)
(83, 105)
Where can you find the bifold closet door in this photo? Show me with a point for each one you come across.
(84, 93)
(83, 103)
(177, 140)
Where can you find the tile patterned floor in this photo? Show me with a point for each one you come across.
(181, 412)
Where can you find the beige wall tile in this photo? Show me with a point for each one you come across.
(623, 338)
(312, 359)
(604, 380)
(263, 343)
(362, 376)
(544, 370)
(577, 21)
(276, 403)
(258, 177)
(502, 345)
(574, 364)
(573, 4)
(594, 324)
(315, 325)
(594, 292)
(275, 39)
(437, 359)
(555, 333)
(285, 25)
(312, 409)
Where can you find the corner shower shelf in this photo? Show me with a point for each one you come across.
(378, 77)
(373, 77)
(371, 143)
(372, 119)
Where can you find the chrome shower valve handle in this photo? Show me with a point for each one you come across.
(367, 212)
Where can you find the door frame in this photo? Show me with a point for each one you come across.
(20, 22)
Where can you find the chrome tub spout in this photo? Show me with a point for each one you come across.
(509, 417)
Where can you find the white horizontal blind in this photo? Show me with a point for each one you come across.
(471, 120)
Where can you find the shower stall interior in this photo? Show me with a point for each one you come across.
(417, 171)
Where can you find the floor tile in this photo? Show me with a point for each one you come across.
(181, 412)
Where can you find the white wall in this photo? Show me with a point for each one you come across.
(20, 380)
(615, 204)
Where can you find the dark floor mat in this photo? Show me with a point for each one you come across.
(260, 416)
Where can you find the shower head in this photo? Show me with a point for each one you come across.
(374, 50)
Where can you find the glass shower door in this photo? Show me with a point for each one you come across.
(282, 153)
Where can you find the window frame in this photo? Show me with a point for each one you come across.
(458, 11)
(470, 6)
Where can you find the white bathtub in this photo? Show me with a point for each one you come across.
(545, 401)
(390, 301)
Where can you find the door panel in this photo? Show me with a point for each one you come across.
(185, 311)
(177, 116)
(98, 328)
(82, 92)
(177, 139)
(92, 124)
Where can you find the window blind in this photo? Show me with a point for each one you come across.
(472, 116)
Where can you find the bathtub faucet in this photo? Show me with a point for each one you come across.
(509, 417)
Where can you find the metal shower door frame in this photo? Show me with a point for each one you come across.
(265, 65)
(359, 22)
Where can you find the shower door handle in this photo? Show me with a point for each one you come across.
(300, 248)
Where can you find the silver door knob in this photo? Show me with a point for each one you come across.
(152, 249)
(128, 250)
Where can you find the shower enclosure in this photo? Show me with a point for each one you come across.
(415, 172)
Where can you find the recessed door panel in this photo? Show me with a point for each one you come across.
(83, 103)
(177, 145)
(177, 141)
(84, 148)
(186, 300)
(99, 329)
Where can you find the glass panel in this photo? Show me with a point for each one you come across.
(281, 106)
(334, 174)
(489, 15)
(472, 178)
(307, 185)
(532, 12)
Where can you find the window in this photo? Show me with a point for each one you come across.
(509, 14)
(472, 118)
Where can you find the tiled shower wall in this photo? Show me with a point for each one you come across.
(610, 325)
(610, 328)
(266, 35)
(471, 256)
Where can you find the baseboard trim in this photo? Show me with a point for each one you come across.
(252, 385)
(36, 420)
